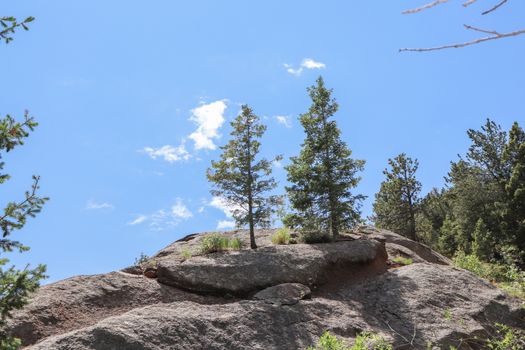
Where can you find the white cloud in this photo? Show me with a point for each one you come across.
(222, 204)
(284, 120)
(169, 153)
(277, 164)
(163, 219)
(307, 63)
(180, 210)
(225, 224)
(139, 220)
(209, 118)
(92, 205)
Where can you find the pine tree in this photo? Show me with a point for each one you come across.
(324, 173)
(482, 245)
(240, 179)
(15, 285)
(396, 202)
(447, 240)
(514, 215)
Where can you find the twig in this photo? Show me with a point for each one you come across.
(495, 7)
(424, 7)
(495, 36)
(469, 2)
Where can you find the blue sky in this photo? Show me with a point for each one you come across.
(133, 98)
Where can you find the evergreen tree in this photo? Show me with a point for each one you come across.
(447, 239)
(514, 214)
(15, 285)
(240, 179)
(397, 201)
(482, 245)
(323, 174)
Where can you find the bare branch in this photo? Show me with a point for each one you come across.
(495, 7)
(424, 7)
(494, 36)
(469, 2)
(493, 32)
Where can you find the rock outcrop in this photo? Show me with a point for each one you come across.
(278, 297)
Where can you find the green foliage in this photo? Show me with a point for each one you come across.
(235, 244)
(447, 314)
(9, 24)
(506, 338)
(323, 174)
(186, 254)
(142, 259)
(396, 203)
(312, 237)
(16, 285)
(506, 276)
(403, 261)
(281, 236)
(240, 179)
(363, 341)
(482, 245)
(218, 243)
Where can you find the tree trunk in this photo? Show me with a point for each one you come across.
(252, 229)
(335, 228)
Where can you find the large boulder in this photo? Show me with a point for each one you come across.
(245, 271)
(84, 300)
(412, 306)
(260, 299)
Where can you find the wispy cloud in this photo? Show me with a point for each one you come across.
(209, 119)
(180, 210)
(163, 219)
(307, 63)
(92, 205)
(285, 120)
(225, 224)
(167, 152)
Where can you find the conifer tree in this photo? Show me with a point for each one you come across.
(241, 179)
(447, 239)
(396, 202)
(323, 174)
(15, 285)
(514, 215)
(482, 245)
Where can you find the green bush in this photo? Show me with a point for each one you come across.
(186, 254)
(363, 341)
(403, 261)
(218, 243)
(508, 277)
(281, 236)
(235, 244)
(214, 243)
(311, 237)
(506, 339)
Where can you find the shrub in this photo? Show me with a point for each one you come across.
(311, 237)
(218, 243)
(235, 244)
(508, 277)
(186, 254)
(403, 261)
(214, 243)
(281, 236)
(506, 338)
(143, 258)
(363, 341)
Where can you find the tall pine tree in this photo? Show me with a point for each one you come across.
(397, 201)
(323, 174)
(241, 179)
